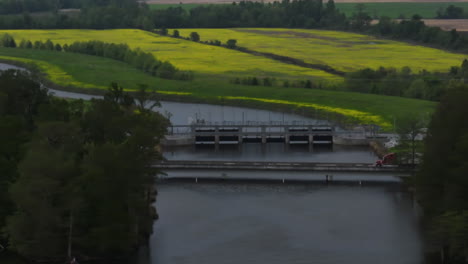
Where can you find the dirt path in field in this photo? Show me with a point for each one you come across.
(448, 24)
(460, 25)
(293, 33)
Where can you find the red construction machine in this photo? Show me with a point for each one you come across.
(386, 160)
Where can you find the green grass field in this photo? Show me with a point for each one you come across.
(83, 71)
(340, 50)
(390, 9)
(401, 9)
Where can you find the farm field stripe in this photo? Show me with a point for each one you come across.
(342, 51)
(185, 55)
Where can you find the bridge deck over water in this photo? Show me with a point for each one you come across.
(279, 166)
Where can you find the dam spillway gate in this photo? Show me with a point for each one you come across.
(225, 134)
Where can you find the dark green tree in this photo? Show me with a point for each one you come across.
(194, 36)
(58, 47)
(145, 99)
(360, 18)
(442, 181)
(163, 31)
(49, 45)
(411, 131)
(44, 194)
(117, 95)
(231, 43)
(7, 41)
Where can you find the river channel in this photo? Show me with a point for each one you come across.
(224, 223)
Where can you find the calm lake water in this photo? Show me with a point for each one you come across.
(245, 223)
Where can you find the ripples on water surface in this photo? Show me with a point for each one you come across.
(239, 223)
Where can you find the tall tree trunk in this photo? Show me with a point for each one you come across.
(70, 233)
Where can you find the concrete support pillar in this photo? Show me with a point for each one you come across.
(216, 137)
(263, 134)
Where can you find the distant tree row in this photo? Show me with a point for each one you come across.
(451, 12)
(254, 81)
(75, 177)
(144, 61)
(389, 81)
(415, 30)
(194, 36)
(31, 6)
(267, 81)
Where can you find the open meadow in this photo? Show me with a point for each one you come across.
(202, 59)
(340, 50)
(77, 71)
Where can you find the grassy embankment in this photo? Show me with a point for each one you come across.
(213, 67)
(340, 50)
(389, 9)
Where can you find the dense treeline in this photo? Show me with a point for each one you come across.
(442, 183)
(294, 14)
(144, 61)
(22, 6)
(75, 177)
(389, 81)
(25, 6)
(416, 31)
(266, 81)
(451, 12)
(99, 14)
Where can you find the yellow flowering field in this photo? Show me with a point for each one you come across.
(340, 50)
(362, 116)
(186, 55)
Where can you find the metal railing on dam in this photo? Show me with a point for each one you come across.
(280, 166)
